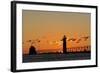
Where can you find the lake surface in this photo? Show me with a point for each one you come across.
(56, 57)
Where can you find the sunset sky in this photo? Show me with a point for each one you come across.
(45, 30)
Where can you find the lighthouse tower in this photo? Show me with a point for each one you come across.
(64, 44)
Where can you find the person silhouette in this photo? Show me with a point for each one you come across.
(32, 50)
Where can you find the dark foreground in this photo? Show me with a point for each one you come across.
(56, 57)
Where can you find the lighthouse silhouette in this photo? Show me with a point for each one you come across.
(64, 44)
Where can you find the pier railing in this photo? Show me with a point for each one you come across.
(79, 49)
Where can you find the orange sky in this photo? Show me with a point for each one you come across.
(46, 29)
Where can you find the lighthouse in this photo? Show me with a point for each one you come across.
(64, 44)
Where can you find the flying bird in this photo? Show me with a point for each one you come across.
(37, 40)
(33, 41)
(85, 38)
(29, 41)
(78, 41)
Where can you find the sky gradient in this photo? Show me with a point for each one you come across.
(45, 30)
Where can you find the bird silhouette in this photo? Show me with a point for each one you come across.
(78, 41)
(85, 38)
